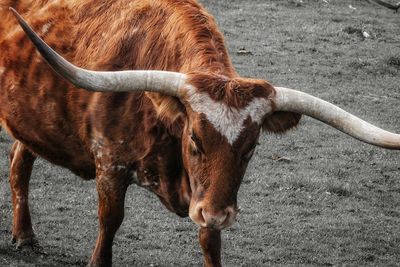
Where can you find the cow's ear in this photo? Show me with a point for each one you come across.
(281, 121)
(170, 111)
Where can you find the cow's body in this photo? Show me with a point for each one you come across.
(190, 146)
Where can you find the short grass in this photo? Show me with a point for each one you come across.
(331, 201)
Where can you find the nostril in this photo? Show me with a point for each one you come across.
(230, 211)
(200, 215)
(230, 215)
(224, 218)
(204, 215)
(227, 217)
(197, 215)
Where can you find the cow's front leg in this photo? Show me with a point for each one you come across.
(210, 241)
(21, 160)
(111, 187)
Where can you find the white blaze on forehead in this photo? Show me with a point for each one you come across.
(228, 120)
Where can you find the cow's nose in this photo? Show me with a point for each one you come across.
(220, 219)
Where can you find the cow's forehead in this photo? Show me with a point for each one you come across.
(228, 120)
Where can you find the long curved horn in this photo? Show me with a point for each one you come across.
(388, 5)
(166, 82)
(299, 102)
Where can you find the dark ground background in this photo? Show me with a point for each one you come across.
(330, 200)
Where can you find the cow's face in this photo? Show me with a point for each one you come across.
(219, 139)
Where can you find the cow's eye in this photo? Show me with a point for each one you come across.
(250, 153)
(195, 144)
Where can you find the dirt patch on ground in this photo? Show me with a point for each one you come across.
(331, 201)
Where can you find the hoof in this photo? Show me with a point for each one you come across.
(27, 242)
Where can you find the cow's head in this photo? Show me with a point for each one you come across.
(222, 122)
(224, 118)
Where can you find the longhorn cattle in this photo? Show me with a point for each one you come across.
(143, 92)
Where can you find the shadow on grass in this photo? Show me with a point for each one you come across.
(36, 256)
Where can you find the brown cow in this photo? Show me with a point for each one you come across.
(170, 112)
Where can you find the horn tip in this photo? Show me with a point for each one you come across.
(12, 10)
(16, 14)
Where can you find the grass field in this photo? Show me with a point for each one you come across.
(312, 197)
